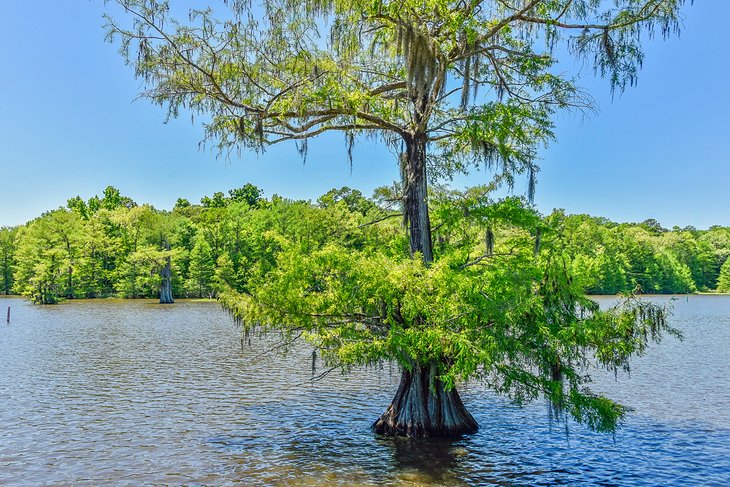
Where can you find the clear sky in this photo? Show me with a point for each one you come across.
(69, 125)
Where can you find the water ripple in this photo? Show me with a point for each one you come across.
(135, 393)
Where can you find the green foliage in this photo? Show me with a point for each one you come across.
(111, 199)
(723, 282)
(514, 318)
(474, 80)
(7, 258)
(119, 249)
(78, 253)
(609, 258)
(248, 194)
(202, 269)
(217, 201)
(181, 203)
(352, 199)
(47, 252)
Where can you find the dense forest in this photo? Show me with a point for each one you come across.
(110, 246)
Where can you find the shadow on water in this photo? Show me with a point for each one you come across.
(434, 459)
(425, 460)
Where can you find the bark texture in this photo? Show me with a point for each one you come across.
(423, 407)
(416, 198)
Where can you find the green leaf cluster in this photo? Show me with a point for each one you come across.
(514, 318)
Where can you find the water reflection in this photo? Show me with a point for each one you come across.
(429, 461)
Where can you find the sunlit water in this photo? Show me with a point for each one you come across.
(129, 393)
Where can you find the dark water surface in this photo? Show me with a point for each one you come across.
(129, 393)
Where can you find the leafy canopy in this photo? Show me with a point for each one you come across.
(477, 79)
(512, 317)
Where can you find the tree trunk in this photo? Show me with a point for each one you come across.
(416, 198)
(70, 284)
(166, 284)
(423, 407)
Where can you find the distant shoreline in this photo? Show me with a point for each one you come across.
(214, 300)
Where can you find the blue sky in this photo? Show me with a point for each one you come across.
(69, 125)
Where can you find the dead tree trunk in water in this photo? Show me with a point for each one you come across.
(166, 282)
(422, 406)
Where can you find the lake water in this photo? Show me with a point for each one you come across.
(130, 392)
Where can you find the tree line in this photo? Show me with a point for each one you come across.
(109, 246)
